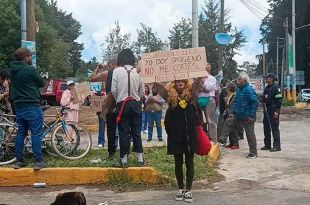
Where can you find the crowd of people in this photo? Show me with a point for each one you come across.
(135, 107)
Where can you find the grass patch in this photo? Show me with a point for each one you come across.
(158, 158)
(155, 157)
(287, 102)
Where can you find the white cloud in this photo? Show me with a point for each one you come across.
(98, 16)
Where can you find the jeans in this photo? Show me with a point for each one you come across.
(101, 137)
(154, 116)
(29, 118)
(130, 127)
(144, 120)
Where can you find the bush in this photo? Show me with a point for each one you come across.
(288, 102)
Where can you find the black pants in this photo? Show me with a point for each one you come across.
(189, 162)
(272, 127)
(111, 132)
(130, 127)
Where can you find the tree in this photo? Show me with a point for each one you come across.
(209, 25)
(115, 42)
(147, 40)
(273, 26)
(68, 29)
(59, 62)
(10, 36)
(181, 34)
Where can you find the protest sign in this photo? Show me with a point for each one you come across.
(82, 91)
(96, 103)
(164, 66)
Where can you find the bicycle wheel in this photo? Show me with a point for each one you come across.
(47, 141)
(7, 145)
(71, 141)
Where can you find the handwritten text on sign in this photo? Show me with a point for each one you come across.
(96, 103)
(163, 66)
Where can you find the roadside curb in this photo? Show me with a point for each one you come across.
(214, 153)
(77, 176)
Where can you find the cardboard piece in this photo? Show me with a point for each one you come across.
(96, 103)
(165, 66)
(106, 104)
(82, 91)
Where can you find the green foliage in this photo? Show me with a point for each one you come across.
(57, 51)
(181, 34)
(10, 34)
(115, 42)
(273, 26)
(58, 27)
(147, 40)
(287, 102)
(209, 25)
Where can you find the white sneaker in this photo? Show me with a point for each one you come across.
(144, 131)
(100, 145)
(180, 195)
(188, 197)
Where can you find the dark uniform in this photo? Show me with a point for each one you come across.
(272, 99)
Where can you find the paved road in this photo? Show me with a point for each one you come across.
(273, 178)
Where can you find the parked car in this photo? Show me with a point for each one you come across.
(305, 95)
(53, 90)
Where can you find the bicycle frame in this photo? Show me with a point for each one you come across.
(59, 120)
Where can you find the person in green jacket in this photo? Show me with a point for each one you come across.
(26, 82)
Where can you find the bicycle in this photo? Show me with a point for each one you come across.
(56, 139)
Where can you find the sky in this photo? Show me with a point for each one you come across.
(97, 18)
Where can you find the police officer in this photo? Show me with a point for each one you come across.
(272, 101)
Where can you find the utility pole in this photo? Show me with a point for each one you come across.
(195, 23)
(288, 92)
(264, 62)
(294, 50)
(221, 49)
(31, 25)
(278, 57)
(23, 16)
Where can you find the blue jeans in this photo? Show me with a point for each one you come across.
(144, 121)
(154, 116)
(29, 118)
(101, 137)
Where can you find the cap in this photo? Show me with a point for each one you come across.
(69, 82)
(271, 75)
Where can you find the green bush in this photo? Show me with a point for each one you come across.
(288, 102)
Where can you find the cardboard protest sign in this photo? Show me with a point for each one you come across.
(164, 66)
(106, 104)
(82, 91)
(96, 103)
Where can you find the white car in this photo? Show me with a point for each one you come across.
(305, 95)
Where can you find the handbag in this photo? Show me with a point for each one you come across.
(203, 143)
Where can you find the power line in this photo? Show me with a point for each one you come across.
(259, 5)
(257, 10)
(252, 10)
